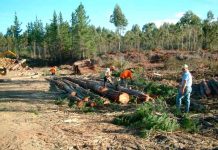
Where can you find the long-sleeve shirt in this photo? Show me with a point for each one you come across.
(126, 74)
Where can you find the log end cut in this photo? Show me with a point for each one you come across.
(123, 98)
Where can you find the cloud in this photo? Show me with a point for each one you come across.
(179, 14)
(161, 22)
(173, 20)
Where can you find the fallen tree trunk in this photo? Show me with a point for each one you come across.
(73, 97)
(116, 96)
(141, 97)
(215, 82)
(61, 85)
(213, 86)
(206, 88)
(85, 91)
(77, 81)
(77, 92)
(202, 90)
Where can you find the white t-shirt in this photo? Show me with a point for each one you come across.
(188, 77)
(108, 72)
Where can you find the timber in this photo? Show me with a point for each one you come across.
(116, 96)
(206, 88)
(84, 91)
(213, 86)
(19, 64)
(141, 96)
(70, 90)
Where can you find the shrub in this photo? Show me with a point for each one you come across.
(148, 118)
(189, 124)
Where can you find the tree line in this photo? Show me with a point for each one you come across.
(60, 40)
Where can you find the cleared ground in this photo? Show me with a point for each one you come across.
(29, 120)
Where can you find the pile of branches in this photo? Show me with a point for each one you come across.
(85, 92)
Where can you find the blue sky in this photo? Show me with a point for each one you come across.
(136, 11)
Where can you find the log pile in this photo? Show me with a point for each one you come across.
(13, 64)
(85, 92)
(209, 88)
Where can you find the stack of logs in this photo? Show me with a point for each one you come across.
(13, 64)
(209, 88)
(84, 92)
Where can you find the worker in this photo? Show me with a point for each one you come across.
(185, 89)
(108, 75)
(53, 70)
(126, 74)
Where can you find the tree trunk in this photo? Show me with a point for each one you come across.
(84, 91)
(141, 97)
(206, 88)
(34, 49)
(109, 93)
(214, 87)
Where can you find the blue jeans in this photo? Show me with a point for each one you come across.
(186, 96)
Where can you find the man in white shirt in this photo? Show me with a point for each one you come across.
(108, 74)
(185, 89)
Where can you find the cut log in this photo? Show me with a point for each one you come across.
(65, 87)
(202, 90)
(77, 81)
(61, 85)
(215, 82)
(85, 91)
(116, 96)
(141, 97)
(76, 92)
(19, 64)
(113, 95)
(213, 87)
(206, 88)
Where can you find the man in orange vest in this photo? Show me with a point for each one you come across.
(53, 70)
(126, 74)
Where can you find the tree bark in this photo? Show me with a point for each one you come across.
(116, 96)
(84, 91)
(206, 88)
(213, 86)
(141, 97)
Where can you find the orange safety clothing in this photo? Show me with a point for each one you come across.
(126, 74)
(53, 70)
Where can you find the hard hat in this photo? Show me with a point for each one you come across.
(185, 66)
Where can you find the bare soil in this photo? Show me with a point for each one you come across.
(29, 120)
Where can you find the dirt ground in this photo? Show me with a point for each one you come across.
(29, 120)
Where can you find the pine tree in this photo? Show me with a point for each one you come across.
(81, 35)
(119, 20)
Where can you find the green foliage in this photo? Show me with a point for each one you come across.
(98, 101)
(60, 101)
(189, 124)
(87, 109)
(160, 89)
(34, 111)
(148, 118)
(60, 39)
(118, 18)
(82, 40)
(153, 88)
